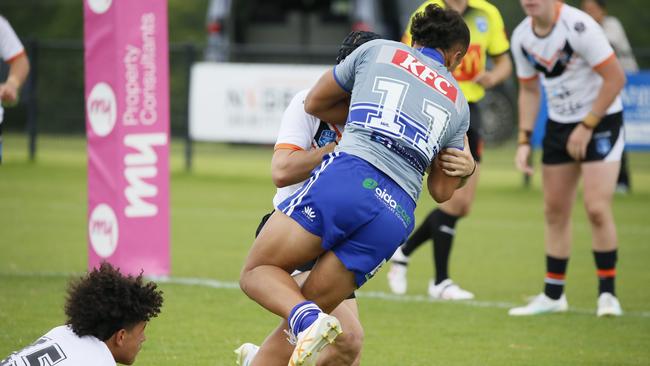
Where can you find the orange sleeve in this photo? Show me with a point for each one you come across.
(527, 79)
(609, 59)
(288, 147)
(14, 57)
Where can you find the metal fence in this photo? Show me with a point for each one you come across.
(52, 100)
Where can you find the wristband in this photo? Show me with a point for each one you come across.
(591, 121)
(524, 137)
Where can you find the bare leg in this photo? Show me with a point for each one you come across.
(347, 349)
(276, 350)
(599, 179)
(281, 246)
(560, 182)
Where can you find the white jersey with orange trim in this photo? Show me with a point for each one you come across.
(566, 60)
(62, 347)
(10, 46)
(302, 131)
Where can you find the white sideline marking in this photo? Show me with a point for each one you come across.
(380, 295)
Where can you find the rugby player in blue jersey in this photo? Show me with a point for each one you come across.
(357, 207)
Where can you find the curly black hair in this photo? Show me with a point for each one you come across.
(352, 41)
(436, 27)
(105, 301)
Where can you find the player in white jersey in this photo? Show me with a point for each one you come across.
(302, 142)
(567, 50)
(357, 207)
(13, 53)
(107, 313)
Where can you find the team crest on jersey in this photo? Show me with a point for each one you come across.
(326, 137)
(481, 24)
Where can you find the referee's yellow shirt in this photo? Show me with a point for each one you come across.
(487, 37)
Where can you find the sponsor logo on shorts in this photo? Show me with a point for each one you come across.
(372, 273)
(385, 197)
(309, 213)
(370, 183)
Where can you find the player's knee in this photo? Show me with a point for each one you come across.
(556, 212)
(597, 212)
(245, 278)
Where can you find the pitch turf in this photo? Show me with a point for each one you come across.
(215, 209)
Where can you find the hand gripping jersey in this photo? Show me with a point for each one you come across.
(10, 46)
(565, 59)
(405, 108)
(62, 347)
(487, 37)
(302, 131)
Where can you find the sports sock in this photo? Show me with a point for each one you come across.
(555, 273)
(302, 316)
(444, 230)
(606, 270)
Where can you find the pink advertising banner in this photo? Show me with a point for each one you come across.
(127, 126)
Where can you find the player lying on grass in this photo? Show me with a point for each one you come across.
(107, 313)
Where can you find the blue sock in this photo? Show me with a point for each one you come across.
(302, 316)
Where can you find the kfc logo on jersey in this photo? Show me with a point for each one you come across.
(101, 108)
(103, 230)
(411, 64)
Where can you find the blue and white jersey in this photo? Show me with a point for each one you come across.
(405, 107)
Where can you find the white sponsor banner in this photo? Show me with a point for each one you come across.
(244, 102)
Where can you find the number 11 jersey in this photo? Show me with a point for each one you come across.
(405, 107)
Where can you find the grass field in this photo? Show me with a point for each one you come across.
(498, 255)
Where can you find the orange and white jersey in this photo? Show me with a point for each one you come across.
(10, 46)
(302, 131)
(62, 347)
(566, 60)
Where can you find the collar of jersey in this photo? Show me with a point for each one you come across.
(433, 54)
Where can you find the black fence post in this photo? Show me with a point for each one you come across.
(32, 100)
(190, 58)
